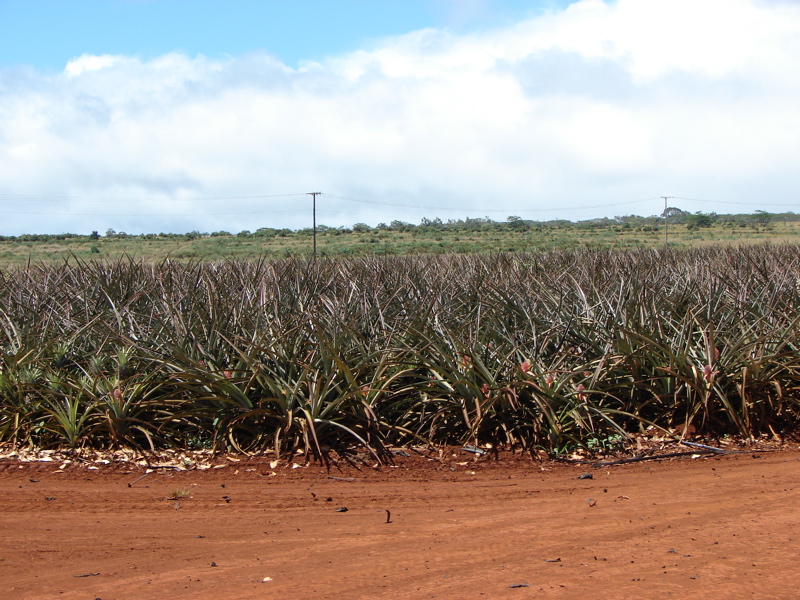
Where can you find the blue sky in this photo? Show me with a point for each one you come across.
(176, 115)
(47, 33)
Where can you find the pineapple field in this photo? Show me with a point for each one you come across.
(533, 352)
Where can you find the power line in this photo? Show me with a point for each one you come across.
(130, 199)
(150, 215)
(137, 199)
(729, 202)
(416, 207)
(485, 210)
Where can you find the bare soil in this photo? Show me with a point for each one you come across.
(708, 527)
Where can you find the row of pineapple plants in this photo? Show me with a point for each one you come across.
(543, 351)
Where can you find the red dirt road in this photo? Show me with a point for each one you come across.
(721, 527)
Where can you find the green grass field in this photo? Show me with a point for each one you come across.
(495, 237)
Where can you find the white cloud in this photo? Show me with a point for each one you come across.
(595, 104)
(87, 62)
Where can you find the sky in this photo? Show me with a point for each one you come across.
(150, 116)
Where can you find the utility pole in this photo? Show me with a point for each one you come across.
(666, 230)
(314, 213)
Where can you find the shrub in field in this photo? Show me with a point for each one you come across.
(534, 351)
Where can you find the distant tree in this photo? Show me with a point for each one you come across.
(673, 211)
(675, 215)
(762, 217)
(426, 223)
(516, 223)
(401, 226)
(699, 219)
(94, 236)
(477, 223)
(362, 228)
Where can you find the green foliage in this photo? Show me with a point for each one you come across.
(541, 350)
(700, 220)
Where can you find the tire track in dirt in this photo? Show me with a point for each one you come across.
(705, 528)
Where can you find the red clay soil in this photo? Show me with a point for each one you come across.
(718, 527)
